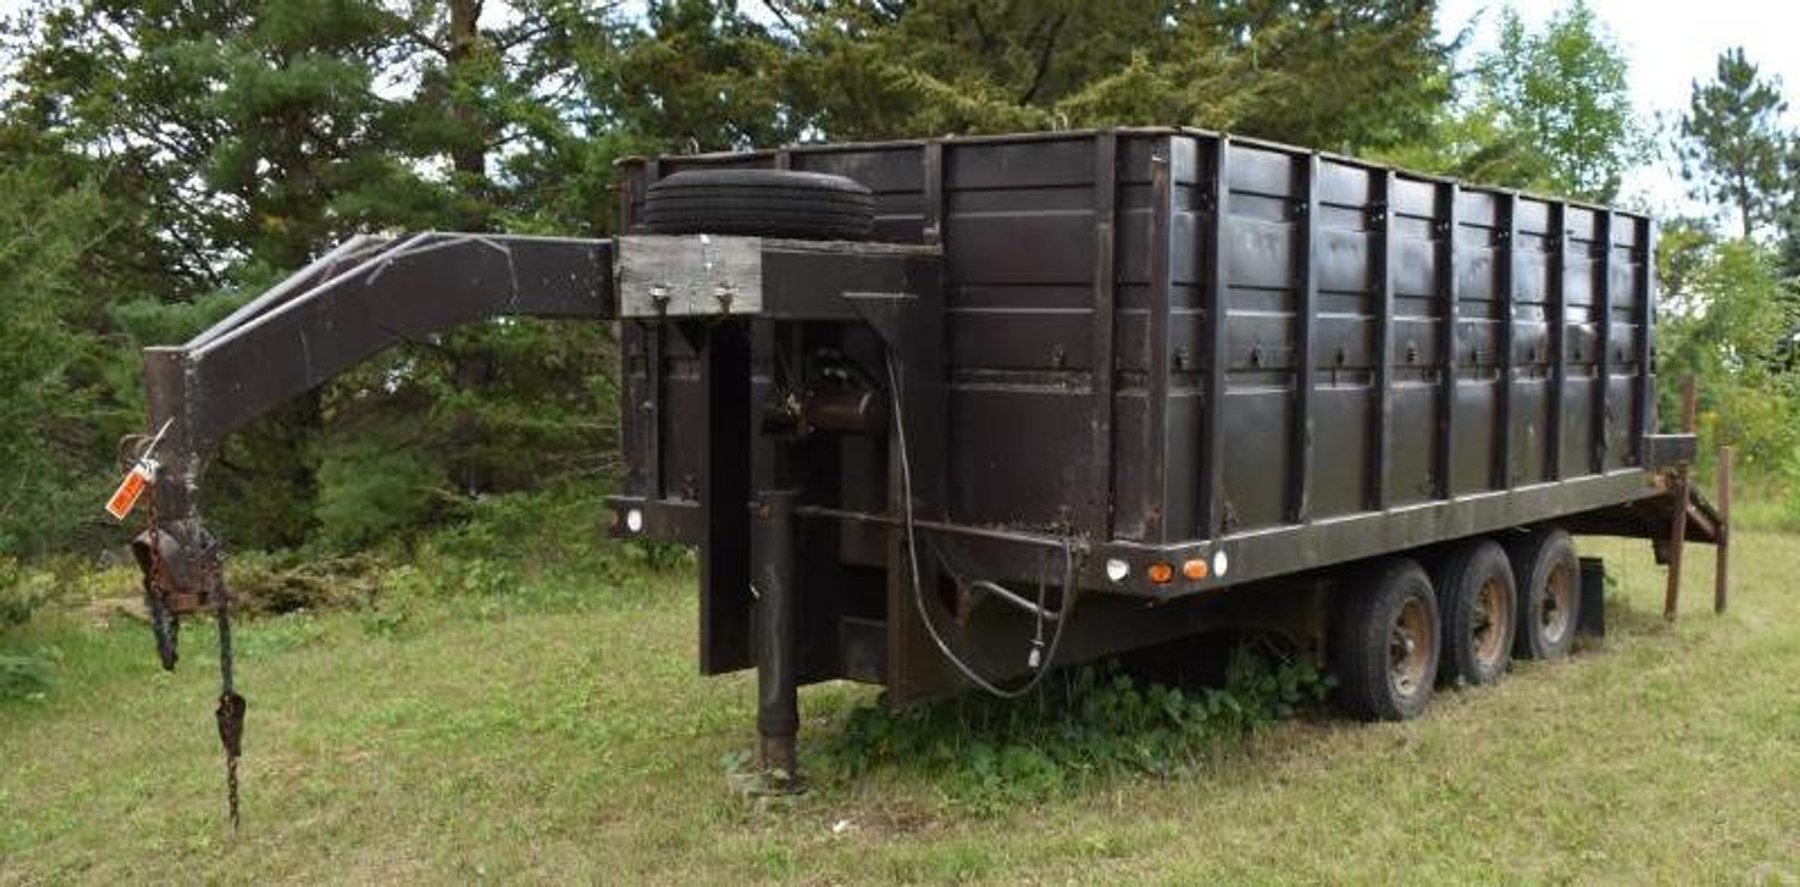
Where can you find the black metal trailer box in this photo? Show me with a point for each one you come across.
(1074, 393)
(1172, 345)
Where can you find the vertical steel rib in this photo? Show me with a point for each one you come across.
(650, 411)
(1449, 338)
(1306, 329)
(1507, 293)
(1106, 151)
(1162, 232)
(1218, 316)
(1558, 243)
(932, 226)
(1381, 416)
(1602, 310)
(1644, 402)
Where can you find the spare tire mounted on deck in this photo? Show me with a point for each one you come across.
(763, 202)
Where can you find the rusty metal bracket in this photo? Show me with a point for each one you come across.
(1669, 450)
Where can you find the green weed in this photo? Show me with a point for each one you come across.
(23, 591)
(265, 638)
(25, 676)
(1093, 722)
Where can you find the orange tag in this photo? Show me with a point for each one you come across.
(130, 489)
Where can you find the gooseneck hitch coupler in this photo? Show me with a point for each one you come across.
(355, 301)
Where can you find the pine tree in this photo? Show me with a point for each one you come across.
(1343, 75)
(233, 140)
(1733, 146)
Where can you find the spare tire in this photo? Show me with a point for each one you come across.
(762, 202)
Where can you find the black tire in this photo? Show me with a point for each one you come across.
(1477, 603)
(1549, 600)
(1384, 644)
(759, 202)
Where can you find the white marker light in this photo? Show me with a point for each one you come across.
(634, 520)
(1117, 569)
(1221, 563)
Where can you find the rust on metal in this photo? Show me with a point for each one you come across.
(1560, 592)
(1410, 644)
(1494, 614)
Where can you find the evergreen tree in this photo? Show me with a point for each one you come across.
(234, 140)
(1733, 147)
(1347, 77)
(1336, 75)
(54, 388)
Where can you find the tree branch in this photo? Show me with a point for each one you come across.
(981, 31)
(1044, 56)
(505, 41)
(426, 40)
(779, 10)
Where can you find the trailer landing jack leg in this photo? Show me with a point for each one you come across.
(777, 654)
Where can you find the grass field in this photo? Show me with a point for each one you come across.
(576, 743)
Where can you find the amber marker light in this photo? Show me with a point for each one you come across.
(1194, 569)
(1161, 574)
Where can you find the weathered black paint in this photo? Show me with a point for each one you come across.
(365, 296)
(1153, 345)
(773, 543)
(725, 599)
(1403, 284)
(1168, 344)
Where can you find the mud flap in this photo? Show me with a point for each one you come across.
(1592, 619)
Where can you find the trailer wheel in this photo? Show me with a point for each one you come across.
(760, 202)
(1549, 594)
(1384, 645)
(1476, 598)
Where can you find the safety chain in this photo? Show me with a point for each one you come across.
(230, 713)
(160, 585)
(165, 625)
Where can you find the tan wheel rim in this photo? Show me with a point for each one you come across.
(1493, 613)
(1558, 604)
(1409, 647)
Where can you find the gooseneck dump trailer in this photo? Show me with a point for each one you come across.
(955, 411)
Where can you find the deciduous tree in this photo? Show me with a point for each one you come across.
(1548, 110)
